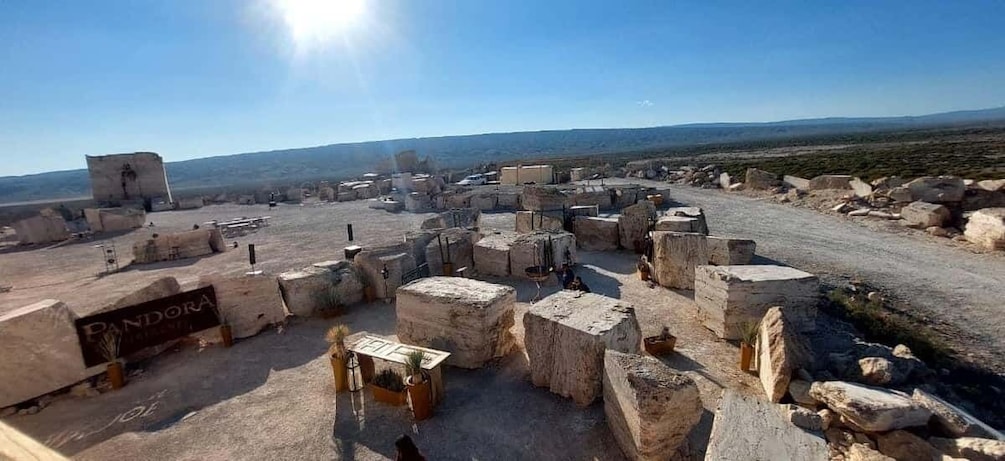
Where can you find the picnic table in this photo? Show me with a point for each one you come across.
(370, 347)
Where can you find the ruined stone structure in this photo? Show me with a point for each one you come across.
(120, 178)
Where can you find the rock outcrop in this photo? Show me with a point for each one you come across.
(870, 408)
(650, 407)
(566, 335)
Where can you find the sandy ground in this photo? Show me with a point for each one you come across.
(270, 396)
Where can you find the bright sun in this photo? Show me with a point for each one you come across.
(319, 21)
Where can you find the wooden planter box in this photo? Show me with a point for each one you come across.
(389, 397)
(656, 346)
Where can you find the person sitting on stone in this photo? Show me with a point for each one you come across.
(578, 285)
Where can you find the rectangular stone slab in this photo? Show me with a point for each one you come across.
(566, 335)
(596, 234)
(730, 252)
(469, 318)
(675, 255)
(747, 428)
(727, 296)
(491, 253)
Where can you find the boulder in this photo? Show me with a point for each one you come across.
(991, 185)
(801, 417)
(371, 261)
(455, 245)
(308, 291)
(675, 256)
(728, 296)
(760, 179)
(940, 189)
(904, 446)
(529, 250)
(795, 182)
(870, 408)
(831, 181)
(953, 421)
(650, 407)
(160, 288)
(987, 228)
(800, 392)
(491, 253)
(923, 214)
(529, 221)
(862, 189)
(596, 234)
(747, 428)
(690, 212)
(41, 229)
(724, 251)
(248, 303)
(724, 180)
(566, 335)
(346, 281)
(971, 448)
(633, 224)
(469, 318)
(781, 350)
(876, 370)
(863, 452)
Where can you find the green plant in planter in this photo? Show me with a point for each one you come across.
(749, 332)
(390, 380)
(413, 365)
(108, 346)
(336, 336)
(330, 301)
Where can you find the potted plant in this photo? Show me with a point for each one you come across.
(339, 355)
(389, 387)
(748, 337)
(644, 269)
(331, 303)
(108, 346)
(419, 388)
(661, 344)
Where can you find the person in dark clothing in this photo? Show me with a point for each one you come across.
(578, 285)
(565, 276)
(407, 451)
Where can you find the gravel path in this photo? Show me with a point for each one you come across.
(960, 292)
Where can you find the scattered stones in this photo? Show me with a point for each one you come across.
(830, 181)
(971, 448)
(903, 445)
(566, 336)
(953, 421)
(781, 351)
(862, 189)
(675, 256)
(940, 189)
(28, 411)
(801, 417)
(469, 318)
(923, 214)
(870, 408)
(747, 428)
(987, 228)
(728, 296)
(650, 407)
(876, 370)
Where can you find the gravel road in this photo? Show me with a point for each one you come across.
(962, 293)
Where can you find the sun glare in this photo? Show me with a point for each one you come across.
(315, 22)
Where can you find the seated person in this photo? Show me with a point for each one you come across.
(565, 276)
(578, 285)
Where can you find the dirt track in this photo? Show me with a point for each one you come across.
(961, 293)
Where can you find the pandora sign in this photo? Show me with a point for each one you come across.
(133, 328)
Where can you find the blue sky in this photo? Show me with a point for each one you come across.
(196, 78)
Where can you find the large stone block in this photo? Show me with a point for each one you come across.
(940, 189)
(747, 428)
(952, 420)
(182, 245)
(469, 318)
(529, 250)
(675, 256)
(483, 202)
(677, 224)
(114, 219)
(831, 181)
(345, 277)
(39, 352)
(584, 210)
(650, 407)
(491, 253)
(690, 212)
(724, 251)
(596, 234)
(455, 245)
(456, 217)
(796, 182)
(538, 198)
(41, 229)
(508, 200)
(633, 224)
(924, 215)
(566, 335)
(396, 258)
(780, 352)
(987, 228)
(248, 303)
(308, 291)
(529, 221)
(728, 296)
(861, 188)
(873, 409)
(760, 179)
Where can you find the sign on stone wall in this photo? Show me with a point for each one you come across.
(147, 324)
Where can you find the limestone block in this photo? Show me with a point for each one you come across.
(529, 221)
(469, 318)
(677, 224)
(248, 303)
(727, 296)
(417, 241)
(952, 420)
(596, 234)
(830, 181)
(900, 194)
(780, 352)
(539, 198)
(633, 224)
(747, 428)
(971, 448)
(940, 189)
(529, 250)
(39, 352)
(690, 212)
(795, 182)
(923, 214)
(584, 210)
(991, 185)
(417, 202)
(903, 445)
(456, 217)
(725, 180)
(861, 188)
(41, 229)
(507, 201)
(483, 202)
(454, 243)
(871, 408)
(458, 201)
(592, 196)
(987, 228)
(730, 252)
(760, 179)
(650, 407)
(372, 261)
(801, 417)
(190, 203)
(491, 253)
(160, 288)
(566, 335)
(675, 256)
(308, 291)
(346, 196)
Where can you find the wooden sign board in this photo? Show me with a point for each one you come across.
(148, 324)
